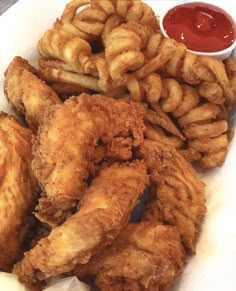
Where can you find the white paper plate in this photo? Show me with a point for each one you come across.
(213, 267)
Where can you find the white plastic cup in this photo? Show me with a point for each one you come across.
(222, 55)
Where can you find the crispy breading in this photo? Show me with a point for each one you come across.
(65, 147)
(18, 189)
(28, 95)
(145, 256)
(180, 193)
(105, 210)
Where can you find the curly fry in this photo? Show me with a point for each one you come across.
(123, 49)
(74, 51)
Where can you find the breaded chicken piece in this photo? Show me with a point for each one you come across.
(66, 142)
(105, 210)
(18, 189)
(180, 193)
(145, 256)
(28, 94)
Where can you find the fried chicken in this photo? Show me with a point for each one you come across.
(145, 256)
(28, 95)
(18, 189)
(105, 210)
(180, 193)
(66, 142)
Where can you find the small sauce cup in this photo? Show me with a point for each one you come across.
(220, 54)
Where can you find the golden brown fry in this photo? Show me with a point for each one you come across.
(159, 117)
(155, 133)
(210, 145)
(135, 88)
(212, 92)
(165, 52)
(190, 100)
(212, 160)
(153, 45)
(104, 212)
(130, 10)
(153, 87)
(180, 193)
(172, 95)
(65, 147)
(123, 49)
(146, 255)
(84, 81)
(173, 66)
(200, 113)
(18, 189)
(190, 154)
(218, 70)
(28, 95)
(213, 129)
(74, 51)
(101, 17)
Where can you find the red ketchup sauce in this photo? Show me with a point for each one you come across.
(200, 26)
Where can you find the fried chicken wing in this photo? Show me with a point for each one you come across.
(65, 147)
(104, 212)
(18, 189)
(145, 256)
(28, 95)
(180, 193)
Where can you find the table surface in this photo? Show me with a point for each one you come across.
(5, 4)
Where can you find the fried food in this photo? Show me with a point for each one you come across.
(104, 211)
(18, 189)
(145, 256)
(28, 95)
(156, 133)
(159, 117)
(180, 193)
(101, 16)
(74, 51)
(65, 146)
(123, 48)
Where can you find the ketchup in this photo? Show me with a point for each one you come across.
(200, 26)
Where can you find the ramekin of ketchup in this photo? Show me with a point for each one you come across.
(204, 28)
